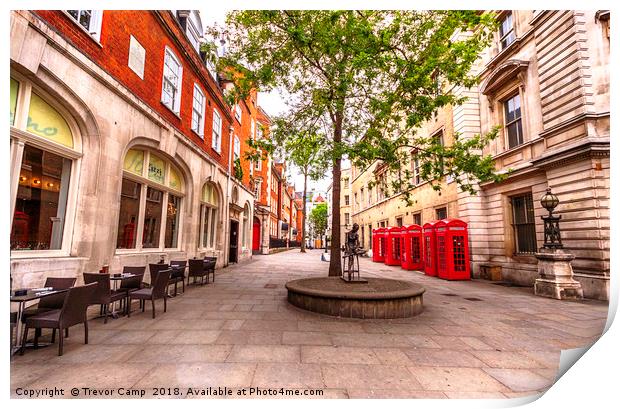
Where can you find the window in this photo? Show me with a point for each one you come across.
(216, 138)
(523, 224)
(506, 31)
(416, 171)
(41, 201)
(238, 112)
(193, 30)
(347, 219)
(346, 200)
(41, 181)
(253, 129)
(236, 148)
(209, 202)
(438, 137)
(512, 121)
(150, 202)
(259, 132)
(417, 219)
(198, 111)
(257, 188)
(89, 20)
(171, 82)
(258, 165)
(399, 222)
(346, 183)
(441, 213)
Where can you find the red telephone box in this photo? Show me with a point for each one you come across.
(452, 250)
(412, 254)
(430, 252)
(393, 248)
(378, 245)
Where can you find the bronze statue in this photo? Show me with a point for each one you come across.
(352, 250)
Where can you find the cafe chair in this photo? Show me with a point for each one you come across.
(72, 312)
(178, 274)
(132, 283)
(209, 266)
(103, 295)
(196, 269)
(157, 290)
(50, 302)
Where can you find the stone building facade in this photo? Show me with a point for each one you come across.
(374, 206)
(545, 81)
(121, 145)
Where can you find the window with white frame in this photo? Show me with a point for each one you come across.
(416, 171)
(258, 183)
(216, 137)
(252, 129)
(150, 202)
(237, 148)
(89, 20)
(198, 111)
(209, 205)
(46, 146)
(258, 165)
(259, 132)
(193, 30)
(506, 31)
(238, 112)
(171, 82)
(512, 121)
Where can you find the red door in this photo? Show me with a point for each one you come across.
(256, 235)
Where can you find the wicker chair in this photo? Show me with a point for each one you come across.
(155, 292)
(73, 312)
(132, 283)
(178, 273)
(196, 269)
(209, 267)
(103, 295)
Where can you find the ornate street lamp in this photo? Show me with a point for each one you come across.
(553, 240)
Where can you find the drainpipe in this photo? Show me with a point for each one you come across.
(228, 197)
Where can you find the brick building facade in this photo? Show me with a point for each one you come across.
(122, 145)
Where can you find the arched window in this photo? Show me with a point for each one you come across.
(45, 148)
(209, 203)
(245, 231)
(150, 203)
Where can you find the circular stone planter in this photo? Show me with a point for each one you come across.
(376, 299)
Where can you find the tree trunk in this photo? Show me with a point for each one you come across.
(303, 212)
(334, 258)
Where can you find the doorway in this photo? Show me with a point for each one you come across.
(256, 235)
(233, 257)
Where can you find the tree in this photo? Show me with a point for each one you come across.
(318, 219)
(369, 79)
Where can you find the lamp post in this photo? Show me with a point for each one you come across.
(553, 239)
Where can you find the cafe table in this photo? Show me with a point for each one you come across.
(31, 294)
(116, 278)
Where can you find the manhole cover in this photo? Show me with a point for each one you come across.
(449, 295)
(271, 286)
(472, 299)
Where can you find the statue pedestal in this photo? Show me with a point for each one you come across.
(556, 276)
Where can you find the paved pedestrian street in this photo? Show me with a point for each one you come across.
(475, 339)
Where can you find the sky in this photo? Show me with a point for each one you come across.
(272, 102)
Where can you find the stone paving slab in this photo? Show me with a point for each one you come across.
(240, 332)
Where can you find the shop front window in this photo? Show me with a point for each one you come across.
(208, 215)
(41, 202)
(150, 203)
(43, 143)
